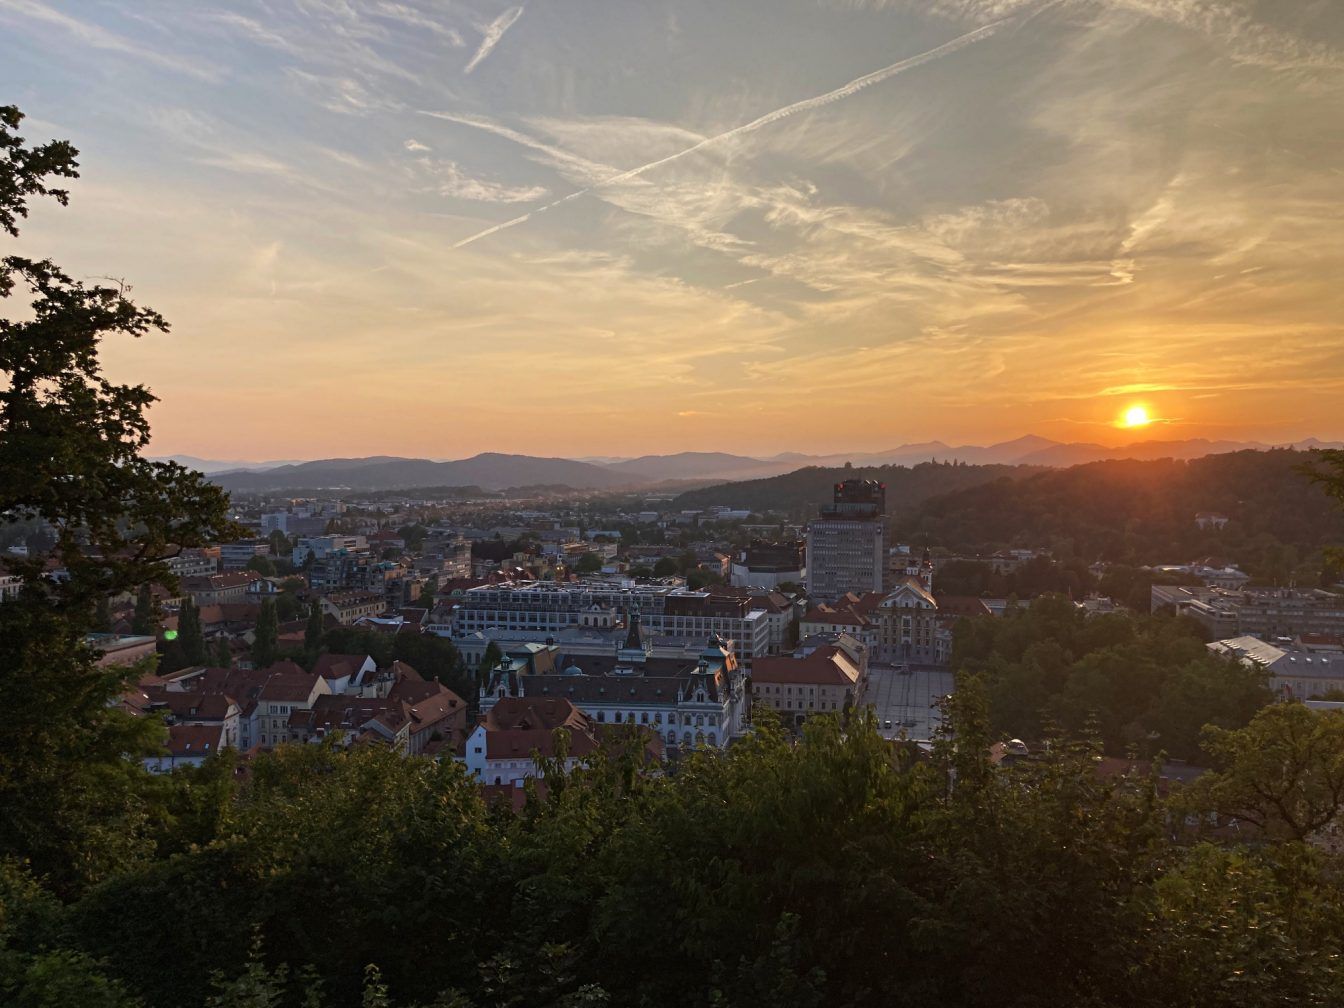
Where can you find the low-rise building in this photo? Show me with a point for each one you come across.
(767, 565)
(213, 589)
(1296, 673)
(815, 679)
(851, 614)
(187, 745)
(350, 606)
(916, 625)
(505, 746)
(1268, 613)
(701, 700)
(237, 555)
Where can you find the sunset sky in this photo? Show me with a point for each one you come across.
(800, 225)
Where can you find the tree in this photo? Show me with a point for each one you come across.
(190, 636)
(222, 654)
(71, 445)
(102, 620)
(589, 563)
(145, 622)
(489, 660)
(280, 545)
(665, 567)
(265, 641)
(262, 565)
(286, 601)
(312, 633)
(1327, 472)
(1283, 773)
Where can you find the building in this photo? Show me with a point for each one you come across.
(197, 708)
(356, 675)
(237, 555)
(200, 562)
(187, 745)
(320, 547)
(1296, 670)
(855, 615)
(216, 589)
(1212, 574)
(1272, 614)
(504, 747)
(1211, 520)
(349, 606)
(819, 677)
(768, 565)
(903, 562)
(446, 554)
(415, 716)
(915, 626)
(846, 544)
(265, 697)
(122, 649)
(687, 701)
(665, 609)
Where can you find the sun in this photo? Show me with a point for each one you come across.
(1136, 416)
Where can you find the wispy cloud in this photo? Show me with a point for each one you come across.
(30, 12)
(449, 179)
(807, 104)
(490, 37)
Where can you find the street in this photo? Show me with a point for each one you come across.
(906, 699)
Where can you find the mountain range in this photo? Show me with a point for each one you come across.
(498, 471)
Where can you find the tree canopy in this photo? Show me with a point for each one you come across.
(71, 460)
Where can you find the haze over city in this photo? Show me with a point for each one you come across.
(810, 226)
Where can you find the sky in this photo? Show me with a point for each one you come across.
(564, 227)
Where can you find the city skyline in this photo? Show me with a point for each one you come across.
(794, 226)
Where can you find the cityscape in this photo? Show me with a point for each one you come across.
(821, 504)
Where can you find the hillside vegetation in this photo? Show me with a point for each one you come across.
(1144, 513)
(800, 493)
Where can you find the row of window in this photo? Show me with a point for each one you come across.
(777, 703)
(629, 718)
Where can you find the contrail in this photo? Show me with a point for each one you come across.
(807, 104)
(494, 31)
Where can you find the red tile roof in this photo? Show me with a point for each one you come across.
(825, 666)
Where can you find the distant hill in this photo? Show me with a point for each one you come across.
(799, 494)
(1143, 512)
(489, 470)
(496, 471)
(209, 466)
(700, 465)
(1063, 455)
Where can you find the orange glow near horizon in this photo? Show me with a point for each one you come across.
(872, 225)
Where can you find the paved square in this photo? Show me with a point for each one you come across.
(907, 699)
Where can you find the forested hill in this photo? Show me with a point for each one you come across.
(1144, 512)
(799, 494)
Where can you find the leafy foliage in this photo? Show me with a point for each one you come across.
(71, 445)
(1144, 513)
(801, 492)
(1142, 682)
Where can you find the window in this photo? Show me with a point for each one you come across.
(477, 750)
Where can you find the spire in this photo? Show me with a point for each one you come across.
(632, 638)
